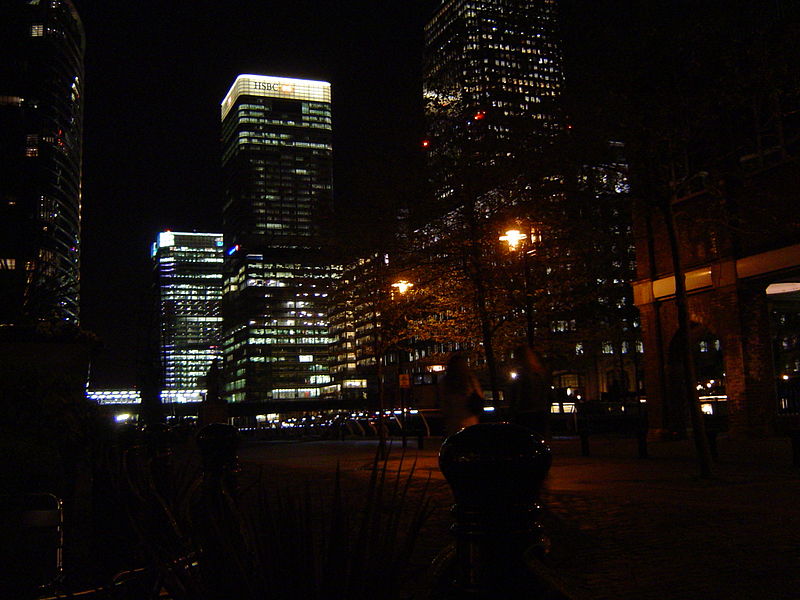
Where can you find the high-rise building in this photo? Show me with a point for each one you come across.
(277, 170)
(188, 271)
(41, 129)
(493, 81)
(497, 62)
(354, 316)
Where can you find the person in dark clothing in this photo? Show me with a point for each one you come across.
(460, 395)
(531, 392)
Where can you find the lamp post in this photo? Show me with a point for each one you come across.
(518, 240)
(404, 382)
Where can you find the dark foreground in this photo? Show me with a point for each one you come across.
(621, 527)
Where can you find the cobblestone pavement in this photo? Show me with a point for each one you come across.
(623, 527)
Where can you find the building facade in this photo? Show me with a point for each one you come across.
(499, 161)
(497, 62)
(188, 271)
(41, 129)
(277, 170)
(743, 302)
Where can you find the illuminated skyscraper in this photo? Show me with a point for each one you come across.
(188, 270)
(41, 129)
(276, 160)
(498, 60)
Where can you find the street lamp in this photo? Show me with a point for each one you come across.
(525, 242)
(514, 238)
(402, 286)
(403, 379)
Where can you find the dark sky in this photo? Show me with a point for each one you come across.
(156, 73)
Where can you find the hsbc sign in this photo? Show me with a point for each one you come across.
(273, 86)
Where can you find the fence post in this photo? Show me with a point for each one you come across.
(496, 472)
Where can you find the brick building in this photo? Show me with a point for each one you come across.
(740, 249)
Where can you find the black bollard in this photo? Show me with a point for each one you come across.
(496, 472)
(218, 443)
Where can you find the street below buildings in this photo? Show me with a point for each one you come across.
(621, 527)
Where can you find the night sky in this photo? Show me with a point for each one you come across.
(156, 73)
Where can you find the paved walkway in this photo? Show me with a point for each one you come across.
(628, 528)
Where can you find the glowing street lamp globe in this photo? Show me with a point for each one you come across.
(402, 286)
(513, 237)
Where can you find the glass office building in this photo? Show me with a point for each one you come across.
(277, 163)
(500, 59)
(188, 271)
(41, 131)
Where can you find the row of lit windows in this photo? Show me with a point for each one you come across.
(263, 270)
(288, 220)
(295, 393)
(311, 108)
(260, 110)
(191, 286)
(290, 341)
(313, 326)
(188, 259)
(608, 348)
(194, 249)
(192, 280)
(191, 323)
(186, 298)
(190, 334)
(249, 137)
(312, 122)
(204, 318)
(184, 322)
(200, 363)
(175, 368)
(295, 228)
(292, 282)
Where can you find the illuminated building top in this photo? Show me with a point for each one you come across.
(167, 239)
(276, 87)
(500, 57)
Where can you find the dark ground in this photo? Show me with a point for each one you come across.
(621, 527)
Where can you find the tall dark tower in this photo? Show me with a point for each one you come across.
(277, 170)
(41, 130)
(498, 62)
